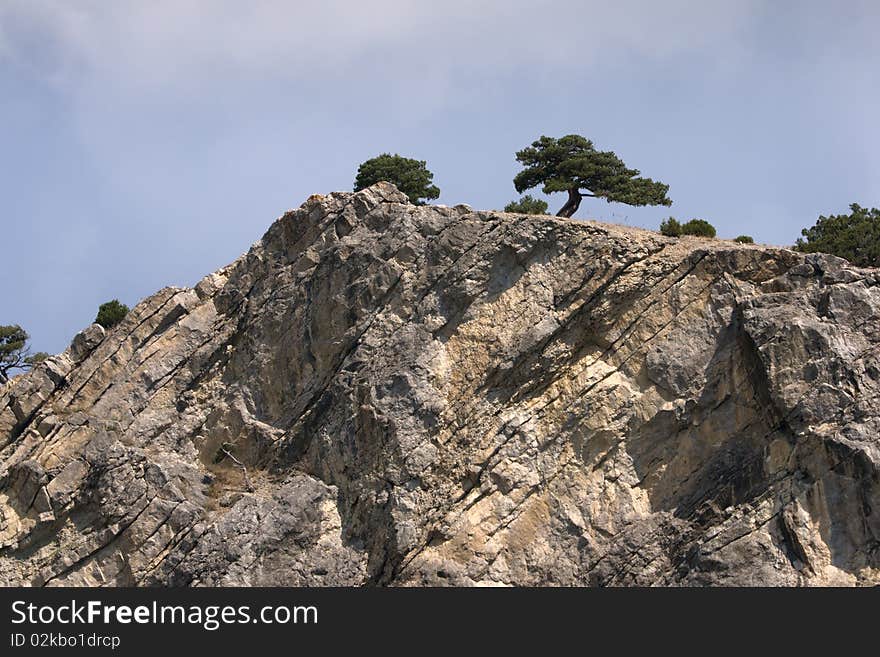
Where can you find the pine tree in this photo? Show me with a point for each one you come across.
(14, 351)
(854, 236)
(571, 164)
(410, 176)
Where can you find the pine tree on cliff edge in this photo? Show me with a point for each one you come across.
(14, 351)
(411, 176)
(571, 164)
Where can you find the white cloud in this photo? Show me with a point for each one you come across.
(172, 44)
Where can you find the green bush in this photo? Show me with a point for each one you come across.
(670, 227)
(527, 205)
(37, 358)
(111, 313)
(854, 236)
(744, 239)
(698, 227)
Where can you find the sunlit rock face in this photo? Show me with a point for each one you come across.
(384, 393)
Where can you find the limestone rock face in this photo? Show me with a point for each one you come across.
(380, 393)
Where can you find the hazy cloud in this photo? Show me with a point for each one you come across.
(173, 44)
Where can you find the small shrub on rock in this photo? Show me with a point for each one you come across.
(698, 227)
(527, 205)
(111, 313)
(670, 227)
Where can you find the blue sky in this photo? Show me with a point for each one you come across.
(145, 144)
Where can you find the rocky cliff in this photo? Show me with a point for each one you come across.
(380, 393)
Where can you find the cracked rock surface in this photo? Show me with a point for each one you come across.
(384, 393)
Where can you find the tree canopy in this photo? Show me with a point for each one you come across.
(527, 205)
(111, 313)
(571, 164)
(410, 176)
(854, 236)
(14, 351)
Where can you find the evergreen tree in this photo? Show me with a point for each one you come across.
(14, 351)
(410, 176)
(854, 236)
(571, 164)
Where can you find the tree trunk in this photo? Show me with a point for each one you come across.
(572, 204)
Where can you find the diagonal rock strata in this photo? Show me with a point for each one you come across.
(383, 393)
